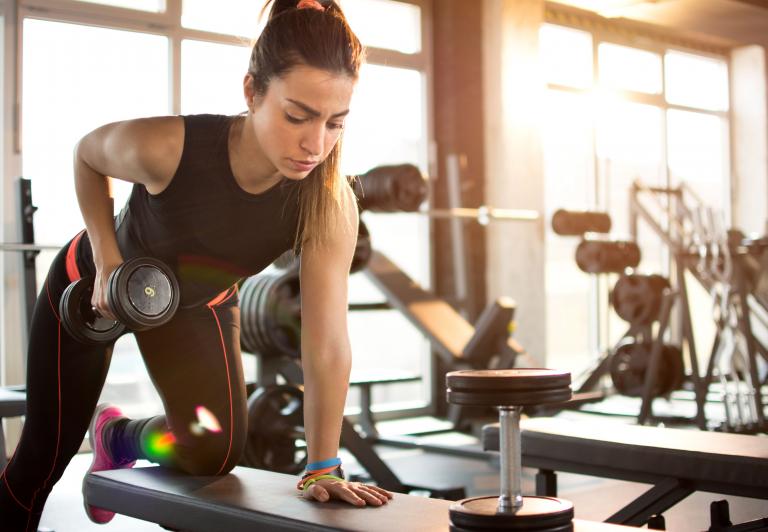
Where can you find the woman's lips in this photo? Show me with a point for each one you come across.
(302, 166)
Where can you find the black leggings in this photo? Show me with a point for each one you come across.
(194, 360)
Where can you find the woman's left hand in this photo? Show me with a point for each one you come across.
(354, 493)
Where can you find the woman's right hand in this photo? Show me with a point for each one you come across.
(100, 289)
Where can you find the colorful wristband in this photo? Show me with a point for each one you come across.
(306, 484)
(314, 466)
(314, 476)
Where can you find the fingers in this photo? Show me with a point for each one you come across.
(370, 495)
(351, 492)
(317, 492)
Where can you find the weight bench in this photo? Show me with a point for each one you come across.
(12, 404)
(677, 462)
(252, 499)
(365, 381)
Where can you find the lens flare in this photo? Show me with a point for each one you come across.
(160, 445)
(206, 420)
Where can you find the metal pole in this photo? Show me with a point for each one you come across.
(511, 499)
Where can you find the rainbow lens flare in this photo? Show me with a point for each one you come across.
(160, 445)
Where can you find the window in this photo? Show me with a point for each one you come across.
(231, 17)
(77, 78)
(566, 56)
(212, 77)
(385, 24)
(696, 81)
(625, 68)
(375, 135)
(656, 114)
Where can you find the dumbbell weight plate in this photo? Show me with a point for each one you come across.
(514, 398)
(79, 319)
(536, 514)
(275, 416)
(508, 379)
(143, 293)
(508, 387)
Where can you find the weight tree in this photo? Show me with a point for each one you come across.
(722, 263)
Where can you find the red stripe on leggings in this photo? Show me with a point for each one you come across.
(229, 386)
(7, 485)
(73, 272)
(58, 427)
(50, 301)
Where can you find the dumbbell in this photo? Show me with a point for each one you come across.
(509, 390)
(142, 293)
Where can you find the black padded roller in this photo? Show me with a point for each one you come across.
(575, 223)
(392, 188)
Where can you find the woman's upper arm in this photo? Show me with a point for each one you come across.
(324, 278)
(145, 150)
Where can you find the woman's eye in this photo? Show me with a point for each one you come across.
(331, 125)
(294, 120)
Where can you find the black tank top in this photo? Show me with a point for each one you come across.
(204, 225)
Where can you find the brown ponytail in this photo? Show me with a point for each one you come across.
(324, 40)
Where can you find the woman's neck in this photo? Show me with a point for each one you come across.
(250, 166)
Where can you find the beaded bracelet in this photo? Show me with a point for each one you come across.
(309, 482)
(310, 477)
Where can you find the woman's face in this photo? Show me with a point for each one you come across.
(300, 118)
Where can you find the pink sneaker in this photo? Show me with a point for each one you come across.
(101, 459)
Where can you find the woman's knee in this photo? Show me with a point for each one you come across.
(215, 454)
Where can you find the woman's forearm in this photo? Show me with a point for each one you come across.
(95, 201)
(326, 381)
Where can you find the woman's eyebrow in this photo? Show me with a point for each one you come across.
(307, 109)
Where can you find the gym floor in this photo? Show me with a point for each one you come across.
(594, 498)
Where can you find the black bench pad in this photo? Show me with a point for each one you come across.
(12, 403)
(733, 464)
(251, 499)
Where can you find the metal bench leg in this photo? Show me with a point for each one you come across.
(546, 483)
(653, 502)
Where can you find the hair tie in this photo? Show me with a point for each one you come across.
(311, 4)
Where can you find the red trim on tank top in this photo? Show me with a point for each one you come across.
(223, 296)
(73, 272)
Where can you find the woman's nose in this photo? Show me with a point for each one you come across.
(312, 143)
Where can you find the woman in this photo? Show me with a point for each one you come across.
(217, 198)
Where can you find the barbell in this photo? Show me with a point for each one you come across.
(18, 246)
(402, 188)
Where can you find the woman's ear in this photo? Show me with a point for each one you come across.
(249, 92)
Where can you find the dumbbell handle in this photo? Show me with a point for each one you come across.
(511, 498)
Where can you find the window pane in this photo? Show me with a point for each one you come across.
(625, 68)
(374, 135)
(231, 17)
(566, 56)
(84, 63)
(373, 22)
(698, 155)
(569, 183)
(212, 77)
(629, 147)
(155, 6)
(76, 78)
(696, 81)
